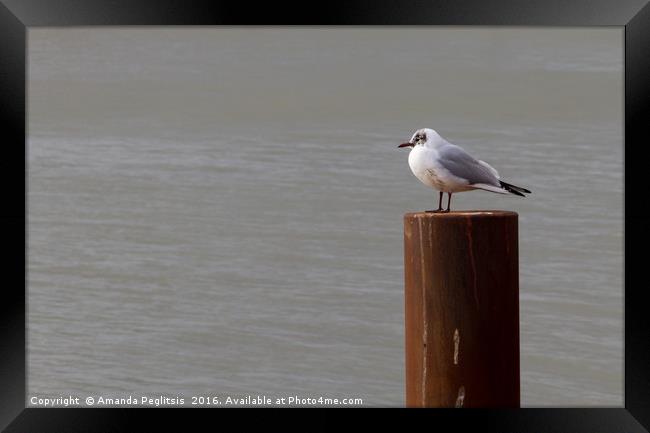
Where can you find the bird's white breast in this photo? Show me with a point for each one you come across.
(425, 166)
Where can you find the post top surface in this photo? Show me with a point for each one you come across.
(462, 214)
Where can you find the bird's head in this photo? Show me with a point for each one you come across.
(422, 137)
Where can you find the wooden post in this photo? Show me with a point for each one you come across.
(462, 309)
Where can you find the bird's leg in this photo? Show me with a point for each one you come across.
(448, 201)
(439, 202)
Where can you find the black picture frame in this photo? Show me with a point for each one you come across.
(16, 16)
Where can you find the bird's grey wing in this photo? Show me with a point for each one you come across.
(462, 164)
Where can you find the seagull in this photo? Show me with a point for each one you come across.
(448, 168)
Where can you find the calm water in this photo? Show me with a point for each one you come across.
(217, 211)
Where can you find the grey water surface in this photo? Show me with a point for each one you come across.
(218, 211)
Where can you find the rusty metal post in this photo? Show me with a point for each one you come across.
(462, 309)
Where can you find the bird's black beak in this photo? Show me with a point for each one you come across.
(406, 145)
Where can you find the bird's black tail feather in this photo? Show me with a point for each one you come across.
(516, 190)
